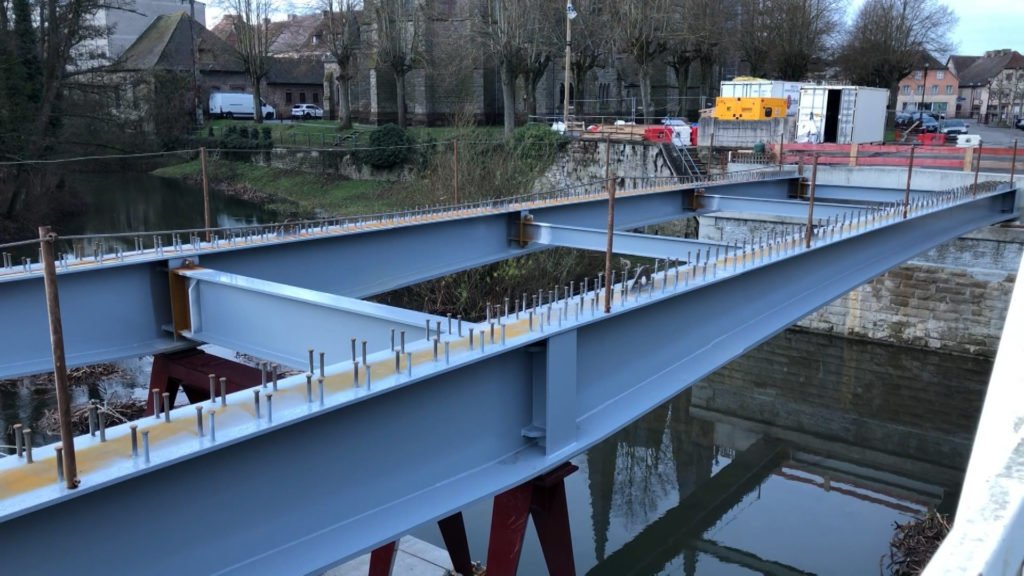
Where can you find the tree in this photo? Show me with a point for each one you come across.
(698, 27)
(888, 37)
(782, 38)
(641, 33)
(40, 54)
(542, 39)
(341, 31)
(591, 42)
(254, 38)
(399, 24)
(504, 30)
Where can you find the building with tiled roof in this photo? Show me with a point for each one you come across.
(991, 86)
(930, 87)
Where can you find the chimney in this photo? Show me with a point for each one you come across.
(292, 16)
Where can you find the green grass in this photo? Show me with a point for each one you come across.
(293, 193)
(325, 133)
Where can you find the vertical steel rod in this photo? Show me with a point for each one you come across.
(810, 203)
(60, 370)
(910, 174)
(610, 187)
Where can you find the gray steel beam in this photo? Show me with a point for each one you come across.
(111, 313)
(623, 243)
(322, 485)
(117, 310)
(281, 323)
(777, 207)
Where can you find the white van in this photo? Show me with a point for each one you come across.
(236, 105)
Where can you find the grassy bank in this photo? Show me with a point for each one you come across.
(325, 133)
(292, 193)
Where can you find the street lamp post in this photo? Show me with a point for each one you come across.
(570, 13)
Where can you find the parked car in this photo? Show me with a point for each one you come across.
(237, 105)
(307, 111)
(953, 126)
(1020, 123)
(926, 123)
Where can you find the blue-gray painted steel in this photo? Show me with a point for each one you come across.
(310, 494)
(778, 207)
(623, 243)
(281, 323)
(117, 311)
(112, 313)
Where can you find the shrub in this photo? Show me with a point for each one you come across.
(389, 146)
(536, 142)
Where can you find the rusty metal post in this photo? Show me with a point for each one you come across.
(206, 193)
(60, 369)
(810, 204)
(977, 169)
(610, 186)
(782, 139)
(1013, 162)
(910, 173)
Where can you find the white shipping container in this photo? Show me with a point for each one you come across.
(765, 89)
(842, 114)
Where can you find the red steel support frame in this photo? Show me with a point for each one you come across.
(544, 498)
(190, 370)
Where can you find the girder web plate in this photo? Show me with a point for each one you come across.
(282, 323)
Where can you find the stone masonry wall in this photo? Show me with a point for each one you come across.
(952, 298)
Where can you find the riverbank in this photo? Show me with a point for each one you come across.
(290, 193)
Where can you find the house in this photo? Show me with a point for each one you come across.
(930, 87)
(991, 86)
(124, 27)
(161, 82)
(294, 80)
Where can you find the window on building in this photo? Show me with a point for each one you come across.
(302, 97)
(940, 74)
(316, 97)
(919, 90)
(949, 89)
(905, 89)
(918, 74)
(287, 97)
(935, 89)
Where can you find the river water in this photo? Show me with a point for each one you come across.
(796, 458)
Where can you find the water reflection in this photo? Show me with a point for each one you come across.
(133, 202)
(796, 458)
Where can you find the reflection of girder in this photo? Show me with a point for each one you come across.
(745, 559)
(664, 539)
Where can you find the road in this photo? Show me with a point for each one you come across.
(995, 136)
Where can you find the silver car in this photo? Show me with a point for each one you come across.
(307, 111)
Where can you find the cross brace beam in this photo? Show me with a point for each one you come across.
(282, 323)
(623, 243)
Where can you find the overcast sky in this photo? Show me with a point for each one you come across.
(984, 24)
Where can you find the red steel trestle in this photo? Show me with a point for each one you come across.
(543, 497)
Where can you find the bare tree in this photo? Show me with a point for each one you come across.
(542, 40)
(640, 33)
(782, 38)
(398, 26)
(42, 50)
(254, 38)
(591, 41)
(504, 28)
(341, 32)
(887, 38)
